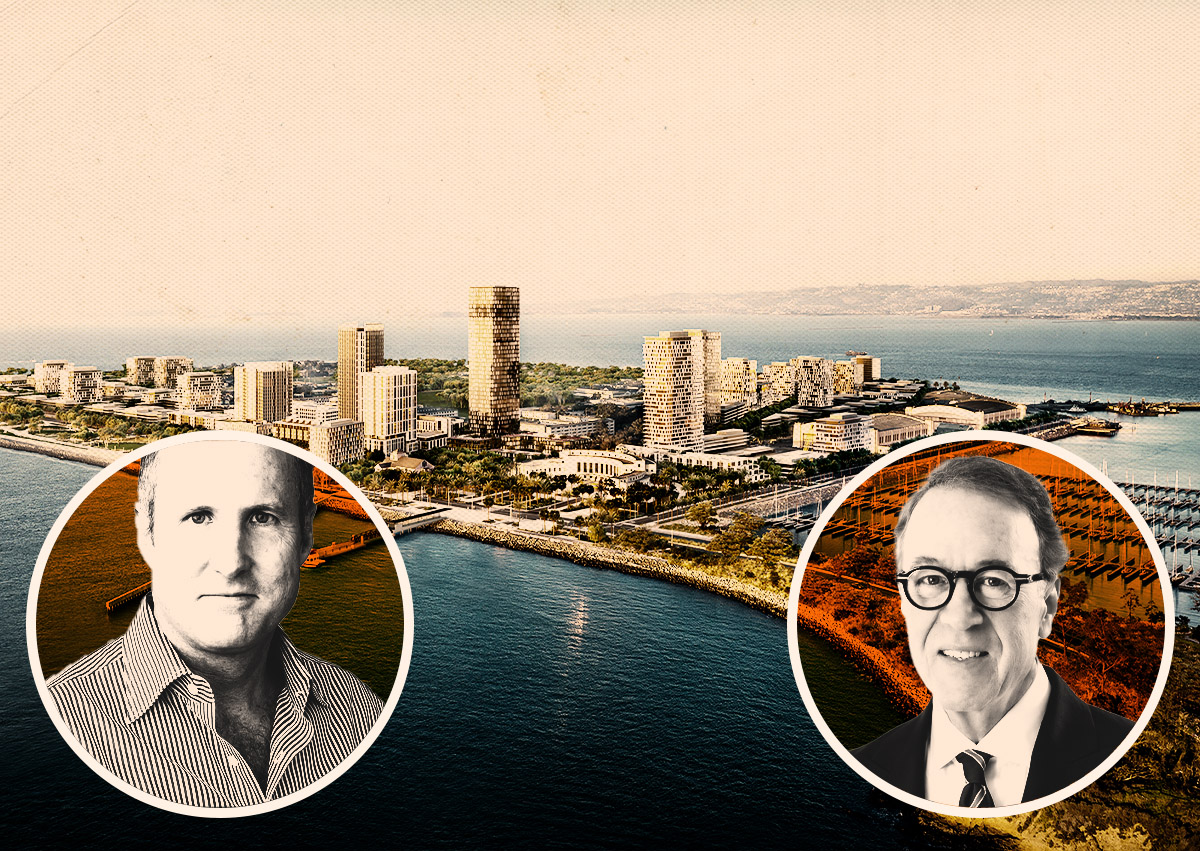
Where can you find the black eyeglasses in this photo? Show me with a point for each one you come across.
(993, 588)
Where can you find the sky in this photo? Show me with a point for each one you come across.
(192, 162)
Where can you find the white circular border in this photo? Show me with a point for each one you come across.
(975, 437)
(218, 812)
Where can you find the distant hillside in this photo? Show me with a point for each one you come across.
(1032, 299)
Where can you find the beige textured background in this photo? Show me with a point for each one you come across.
(164, 163)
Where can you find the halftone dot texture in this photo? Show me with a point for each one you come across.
(256, 166)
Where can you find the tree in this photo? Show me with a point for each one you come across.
(596, 533)
(702, 514)
(1130, 601)
(488, 502)
(734, 540)
(771, 546)
(771, 468)
(637, 538)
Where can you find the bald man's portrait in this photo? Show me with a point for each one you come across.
(204, 701)
(978, 556)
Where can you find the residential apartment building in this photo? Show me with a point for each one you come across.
(80, 385)
(814, 381)
(168, 369)
(739, 381)
(198, 390)
(673, 395)
(867, 368)
(843, 378)
(47, 375)
(494, 355)
(360, 349)
(387, 406)
(262, 391)
(337, 442)
(140, 371)
(710, 357)
(779, 382)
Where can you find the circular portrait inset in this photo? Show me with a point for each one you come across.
(978, 627)
(220, 624)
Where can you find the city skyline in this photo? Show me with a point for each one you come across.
(273, 164)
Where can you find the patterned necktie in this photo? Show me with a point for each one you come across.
(975, 793)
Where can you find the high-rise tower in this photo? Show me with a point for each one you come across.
(494, 350)
(262, 391)
(387, 404)
(673, 400)
(360, 349)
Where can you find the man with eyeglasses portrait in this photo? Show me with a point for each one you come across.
(978, 556)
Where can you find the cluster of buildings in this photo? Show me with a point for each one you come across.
(686, 386)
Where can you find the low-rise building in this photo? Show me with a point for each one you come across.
(841, 433)
(243, 425)
(192, 417)
(337, 442)
(726, 439)
(619, 468)
(887, 430)
(560, 425)
(308, 411)
(747, 466)
(975, 412)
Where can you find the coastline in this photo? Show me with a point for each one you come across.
(907, 696)
(62, 451)
(637, 564)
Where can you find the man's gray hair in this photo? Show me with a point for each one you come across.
(301, 472)
(1012, 485)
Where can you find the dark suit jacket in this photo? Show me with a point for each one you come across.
(1074, 739)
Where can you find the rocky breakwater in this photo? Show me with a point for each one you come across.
(640, 564)
(66, 451)
(905, 691)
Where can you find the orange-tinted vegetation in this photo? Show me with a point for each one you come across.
(1109, 652)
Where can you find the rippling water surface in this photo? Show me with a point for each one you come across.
(547, 703)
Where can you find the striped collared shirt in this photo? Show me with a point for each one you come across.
(137, 708)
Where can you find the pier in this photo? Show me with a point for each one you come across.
(319, 554)
(1173, 514)
(418, 521)
(128, 597)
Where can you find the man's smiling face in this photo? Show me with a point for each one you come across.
(975, 661)
(225, 544)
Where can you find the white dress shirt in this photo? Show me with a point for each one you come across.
(1010, 744)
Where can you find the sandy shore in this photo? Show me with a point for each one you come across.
(55, 449)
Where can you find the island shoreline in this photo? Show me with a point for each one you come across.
(907, 697)
(899, 693)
